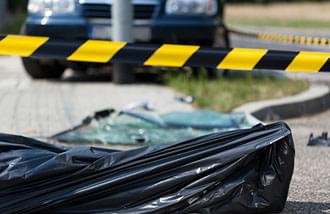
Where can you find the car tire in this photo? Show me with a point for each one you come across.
(223, 41)
(37, 70)
(123, 74)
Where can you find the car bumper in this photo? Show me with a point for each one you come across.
(186, 30)
(61, 28)
(159, 30)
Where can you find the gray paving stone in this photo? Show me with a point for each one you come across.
(41, 108)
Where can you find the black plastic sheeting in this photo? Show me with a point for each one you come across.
(243, 171)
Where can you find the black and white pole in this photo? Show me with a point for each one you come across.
(122, 30)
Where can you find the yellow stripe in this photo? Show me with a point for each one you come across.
(323, 42)
(96, 51)
(273, 37)
(262, 36)
(309, 40)
(242, 58)
(171, 55)
(302, 40)
(21, 45)
(308, 62)
(316, 41)
(285, 38)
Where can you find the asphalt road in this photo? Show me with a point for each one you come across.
(310, 188)
(42, 108)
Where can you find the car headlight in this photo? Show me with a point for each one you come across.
(51, 6)
(191, 7)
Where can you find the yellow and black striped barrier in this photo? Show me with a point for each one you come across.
(166, 55)
(285, 38)
(291, 39)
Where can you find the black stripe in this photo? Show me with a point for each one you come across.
(57, 49)
(207, 57)
(134, 53)
(326, 67)
(277, 60)
(2, 37)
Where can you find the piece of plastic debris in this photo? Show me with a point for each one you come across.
(241, 171)
(143, 105)
(322, 140)
(185, 99)
(146, 128)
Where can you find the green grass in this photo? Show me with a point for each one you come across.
(278, 23)
(224, 94)
(15, 24)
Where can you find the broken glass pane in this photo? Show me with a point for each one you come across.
(146, 128)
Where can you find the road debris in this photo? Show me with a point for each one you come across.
(185, 99)
(322, 140)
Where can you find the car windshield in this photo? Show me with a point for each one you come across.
(141, 128)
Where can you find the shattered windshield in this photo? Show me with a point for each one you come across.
(145, 128)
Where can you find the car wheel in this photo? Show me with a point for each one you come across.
(223, 41)
(123, 74)
(38, 70)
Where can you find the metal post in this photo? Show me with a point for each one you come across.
(122, 30)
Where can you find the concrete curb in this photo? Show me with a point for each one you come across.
(316, 99)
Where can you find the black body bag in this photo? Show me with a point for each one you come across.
(243, 171)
